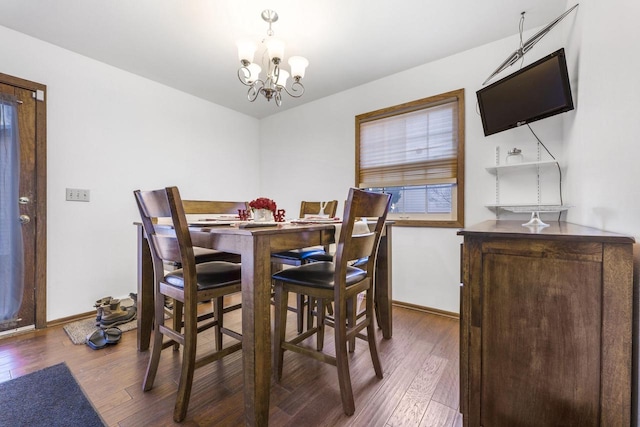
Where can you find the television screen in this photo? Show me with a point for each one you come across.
(535, 92)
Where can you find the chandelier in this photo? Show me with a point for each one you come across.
(274, 81)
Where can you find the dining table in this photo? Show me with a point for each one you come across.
(255, 244)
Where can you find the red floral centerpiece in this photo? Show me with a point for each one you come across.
(264, 209)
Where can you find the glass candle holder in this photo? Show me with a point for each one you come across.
(514, 156)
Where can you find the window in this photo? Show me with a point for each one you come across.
(415, 152)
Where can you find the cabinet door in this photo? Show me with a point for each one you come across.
(541, 334)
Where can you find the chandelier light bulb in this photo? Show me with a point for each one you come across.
(276, 49)
(254, 72)
(246, 51)
(282, 77)
(298, 66)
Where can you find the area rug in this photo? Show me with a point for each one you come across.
(78, 331)
(50, 397)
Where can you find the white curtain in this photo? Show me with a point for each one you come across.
(11, 246)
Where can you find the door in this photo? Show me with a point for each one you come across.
(32, 185)
(539, 307)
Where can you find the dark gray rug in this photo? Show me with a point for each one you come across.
(50, 397)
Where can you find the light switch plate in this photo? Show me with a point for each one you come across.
(78, 195)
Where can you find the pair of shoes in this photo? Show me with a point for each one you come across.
(99, 306)
(100, 338)
(106, 310)
(103, 301)
(117, 315)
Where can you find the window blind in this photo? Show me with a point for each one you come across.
(413, 148)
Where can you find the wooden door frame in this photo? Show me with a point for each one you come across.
(41, 199)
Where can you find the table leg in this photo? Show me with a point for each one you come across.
(145, 292)
(383, 285)
(256, 328)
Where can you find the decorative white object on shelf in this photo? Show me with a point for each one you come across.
(535, 211)
(514, 156)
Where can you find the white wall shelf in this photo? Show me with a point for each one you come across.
(535, 208)
(527, 207)
(494, 169)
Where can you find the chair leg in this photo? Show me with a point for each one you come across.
(329, 308)
(371, 337)
(320, 307)
(300, 304)
(188, 362)
(178, 311)
(218, 315)
(154, 359)
(312, 305)
(342, 360)
(281, 298)
(352, 311)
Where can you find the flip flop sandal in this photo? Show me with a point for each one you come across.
(97, 339)
(112, 335)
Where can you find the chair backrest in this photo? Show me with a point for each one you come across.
(315, 208)
(165, 243)
(360, 204)
(212, 207)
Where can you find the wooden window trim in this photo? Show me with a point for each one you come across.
(414, 106)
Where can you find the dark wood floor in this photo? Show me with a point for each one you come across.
(419, 388)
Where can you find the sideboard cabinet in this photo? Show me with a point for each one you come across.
(546, 326)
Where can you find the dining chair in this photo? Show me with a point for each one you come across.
(197, 209)
(193, 208)
(340, 283)
(187, 286)
(297, 257)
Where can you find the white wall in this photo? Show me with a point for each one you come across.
(113, 132)
(602, 139)
(308, 153)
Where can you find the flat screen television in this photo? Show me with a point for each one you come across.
(535, 92)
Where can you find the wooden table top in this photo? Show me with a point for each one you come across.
(555, 230)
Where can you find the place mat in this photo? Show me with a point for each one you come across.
(312, 220)
(213, 223)
(257, 224)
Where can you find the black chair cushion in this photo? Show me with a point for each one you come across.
(209, 274)
(318, 275)
(298, 254)
(321, 257)
(206, 255)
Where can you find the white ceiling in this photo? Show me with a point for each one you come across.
(190, 44)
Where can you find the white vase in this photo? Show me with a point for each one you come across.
(262, 215)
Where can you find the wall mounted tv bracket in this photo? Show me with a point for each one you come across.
(526, 46)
